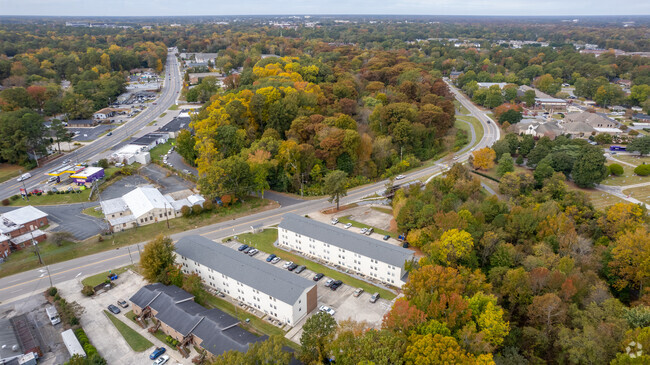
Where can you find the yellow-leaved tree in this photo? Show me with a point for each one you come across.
(484, 158)
(453, 245)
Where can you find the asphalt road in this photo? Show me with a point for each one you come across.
(170, 91)
(28, 283)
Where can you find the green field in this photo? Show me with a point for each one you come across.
(478, 127)
(160, 150)
(174, 107)
(24, 260)
(264, 242)
(54, 199)
(641, 193)
(137, 342)
(8, 171)
(628, 177)
(100, 278)
(258, 325)
(97, 213)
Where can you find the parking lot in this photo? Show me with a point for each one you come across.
(341, 300)
(90, 133)
(167, 184)
(101, 332)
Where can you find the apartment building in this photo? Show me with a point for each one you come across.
(276, 292)
(351, 250)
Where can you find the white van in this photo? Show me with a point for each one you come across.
(24, 177)
(53, 315)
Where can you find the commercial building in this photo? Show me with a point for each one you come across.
(189, 323)
(142, 206)
(82, 123)
(130, 154)
(104, 113)
(20, 228)
(150, 140)
(349, 250)
(551, 103)
(269, 289)
(182, 121)
(88, 175)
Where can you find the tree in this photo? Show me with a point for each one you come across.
(511, 116)
(484, 158)
(546, 83)
(453, 245)
(608, 94)
(616, 169)
(60, 132)
(335, 185)
(231, 175)
(642, 170)
(505, 165)
(589, 168)
(157, 257)
(631, 259)
(641, 145)
(59, 237)
(543, 171)
(529, 98)
(185, 147)
(435, 349)
(368, 346)
(317, 334)
(547, 310)
(403, 317)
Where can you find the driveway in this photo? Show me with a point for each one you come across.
(168, 184)
(123, 186)
(282, 199)
(179, 164)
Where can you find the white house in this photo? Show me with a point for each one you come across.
(131, 153)
(267, 288)
(353, 251)
(142, 206)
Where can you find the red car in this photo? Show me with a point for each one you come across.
(36, 191)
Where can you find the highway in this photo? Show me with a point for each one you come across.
(31, 282)
(171, 87)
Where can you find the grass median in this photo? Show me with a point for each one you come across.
(100, 278)
(137, 342)
(264, 242)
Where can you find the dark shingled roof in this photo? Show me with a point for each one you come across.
(268, 279)
(351, 241)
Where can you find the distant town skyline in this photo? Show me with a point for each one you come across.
(334, 7)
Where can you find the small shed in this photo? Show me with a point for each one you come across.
(257, 228)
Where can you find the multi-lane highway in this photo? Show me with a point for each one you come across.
(34, 281)
(169, 94)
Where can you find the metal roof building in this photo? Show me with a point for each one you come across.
(72, 343)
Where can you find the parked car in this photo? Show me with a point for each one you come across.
(110, 134)
(36, 191)
(161, 360)
(335, 285)
(369, 231)
(122, 303)
(157, 352)
(242, 247)
(300, 269)
(329, 282)
(52, 179)
(114, 309)
(287, 264)
(357, 292)
(24, 177)
(399, 177)
(292, 267)
(374, 297)
(363, 230)
(386, 237)
(326, 309)
(270, 258)
(253, 252)
(334, 221)
(247, 250)
(186, 171)
(275, 260)
(318, 276)
(348, 225)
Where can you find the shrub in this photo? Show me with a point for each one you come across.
(208, 205)
(103, 163)
(186, 211)
(52, 291)
(5, 202)
(74, 321)
(14, 197)
(196, 209)
(616, 169)
(57, 297)
(87, 290)
(642, 170)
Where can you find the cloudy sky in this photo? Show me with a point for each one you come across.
(262, 7)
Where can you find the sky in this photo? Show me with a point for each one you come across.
(313, 7)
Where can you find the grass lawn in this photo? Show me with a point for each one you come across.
(258, 325)
(137, 342)
(386, 210)
(174, 107)
(162, 115)
(24, 260)
(54, 199)
(160, 150)
(100, 278)
(634, 160)
(628, 177)
(460, 107)
(264, 242)
(478, 127)
(599, 199)
(641, 193)
(93, 212)
(8, 171)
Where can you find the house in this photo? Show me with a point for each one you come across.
(20, 228)
(269, 289)
(551, 103)
(142, 206)
(77, 123)
(188, 322)
(150, 140)
(641, 117)
(88, 175)
(487, 85)
(454, 75)
(104, 113)
(351, 251)
(537, 128)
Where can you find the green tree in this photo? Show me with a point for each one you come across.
(543, 171)
(506, 164)
(546, 83)
(231, 175)
(641, 145)
(335, 185)
(157, 257)
(639, 94)
(511, 116)
(60, 132)
(608, 94)
(317, 334)
(589, 168)
(185, 143)
(616, 169)
(529, 98)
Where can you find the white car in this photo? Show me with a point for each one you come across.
(287, 264)
(334, 221)
(161, 360)
(363, 230)
(348, 225)
(275, 260)
(326, 309)
(399, 177)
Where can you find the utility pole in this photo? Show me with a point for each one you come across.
(166, 214)
(40, 259)
(129, 249)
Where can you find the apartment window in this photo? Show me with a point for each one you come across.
(161, 215)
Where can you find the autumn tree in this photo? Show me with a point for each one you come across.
(631, 259)
(403, 317)
(453, 246)
(484, 158)
(264, 352)
(157, 257)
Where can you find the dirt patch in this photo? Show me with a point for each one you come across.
(334, 210)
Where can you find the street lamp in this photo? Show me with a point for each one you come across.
(40, 259)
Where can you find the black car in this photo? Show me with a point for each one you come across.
(113, 309)
(335, 285)
(318, 276)
(292, 267)
(242, 247)
(247, 250)
(300, 269)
